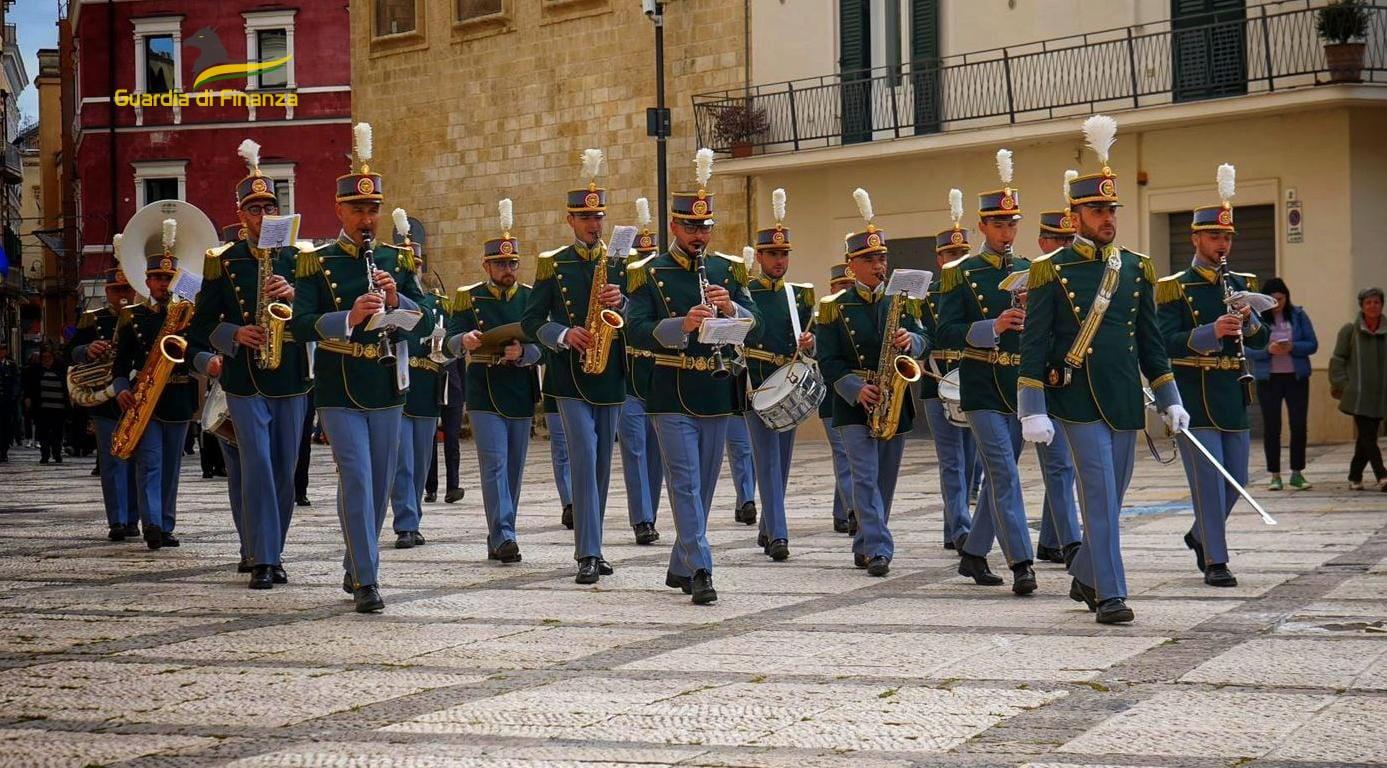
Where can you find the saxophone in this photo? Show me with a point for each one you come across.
(603, 323)
(270, 315)
(168, 350)
(895, 372)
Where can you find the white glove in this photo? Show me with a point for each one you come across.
(1037, 428)
(1176, 418)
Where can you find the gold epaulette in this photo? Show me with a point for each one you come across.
(404, 258)
(952, 276)
(545, 267)
(87, 319)
(1248, 278)
(125, 316)
(806, 294)
(306, 264)
(1042, 271)
(828, 309)
(1170, 288)
(304, 246)
(636, 274)
(462, 299)
(915, 308)
(212, 262)
(739, 269)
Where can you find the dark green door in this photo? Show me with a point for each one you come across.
(1208, 48)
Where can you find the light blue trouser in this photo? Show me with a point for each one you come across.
(267, 444)
(158, 459)
(1103, 461)
(1001, 511)
(770, 454)
(502, 444)
(365, 445)
(232, 457)
(417, 437)
(842, 476)
(117, 477)
(739, 457)
(691, 448)
(1058, 531)
(558, 457)
(590, 431)
(640, 462)
(1213, 497)
(875, 466)
(957, 454)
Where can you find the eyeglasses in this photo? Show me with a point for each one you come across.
(261, 210)
(511, 264)
(870, 258)
(696, 229)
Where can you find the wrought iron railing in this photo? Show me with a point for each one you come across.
(1152, 64)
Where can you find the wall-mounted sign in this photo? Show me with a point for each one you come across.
(1295, 222)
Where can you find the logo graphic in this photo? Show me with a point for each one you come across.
(259, 186)
(364, 185)
(1008, 202)
(1107, 188)
(957, 237)
(1225, 217)
(507, 247)
(778, 237)
(592, 200)
(700, 208)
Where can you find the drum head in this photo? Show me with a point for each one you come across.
(214, 407)
(948, 386)
(773, 389)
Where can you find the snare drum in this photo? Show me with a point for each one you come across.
(789, 396)
(950, 397)
(216, 418)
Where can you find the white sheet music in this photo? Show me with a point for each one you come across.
(1016, 281)
(404, 319)
(724, 330)
(186, 285)
(1258, 302)
(915, 282)
(622, 240)
(278, 231)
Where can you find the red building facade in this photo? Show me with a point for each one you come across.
(146, 128)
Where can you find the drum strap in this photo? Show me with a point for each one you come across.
(794, 312)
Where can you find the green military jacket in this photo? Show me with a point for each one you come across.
(640, 363)
(493, 385)
(1206, 368)
(777, 344)
(661, 294)
(345, 368)
(96, 325)
(848, 341)
(970, 298)
(137, 333)
(228, 300)
(826, 405)
(1127, 345)
(559, 300)
(427, 379)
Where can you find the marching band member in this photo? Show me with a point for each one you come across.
(266, 398)
(1091, 309)
(230, 456)
(558, 451)
(776, 298)
(640, 448)
(954, 447)
(502, 387)
(568, 291)
(691, 395)
(423, 405)
(358, 395)
(982, 319)
(844, 518)
(1206, 339)
(849, 347)
(159, 453)
(93, 341)
(739, 462)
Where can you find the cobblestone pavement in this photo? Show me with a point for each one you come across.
(112, 654)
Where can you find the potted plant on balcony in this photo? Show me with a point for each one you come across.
(1339, 24)
(737, 126)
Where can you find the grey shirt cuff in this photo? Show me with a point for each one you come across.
(982, 335)
(223, 338)
(1030, 402)
(531, 354)
(334, 325)
(848, 387)
(1167, 394)
(550, 335)
(1204, 340)
(670, 333)
(201, 361)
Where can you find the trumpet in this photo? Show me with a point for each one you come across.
(385, 349)
(720, 369)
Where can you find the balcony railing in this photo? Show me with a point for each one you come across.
(12, 169)
(1163, 63)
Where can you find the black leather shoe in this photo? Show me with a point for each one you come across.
(430, 498)
(1080, 593)
(96, 471)
(132, 530)
(567, 517)
(975, 568)
(1193, 543)
(261, 577)
(508, 552)
(368, 599)
(1218, 575)
(404, 540)
(347, 583)
(746, 513)
(117, 533)
(1049, 554)
(1023, 578)
(702, 588)
(303, 501)
(852, 523)
(779, 550)
(280, 577)
(153, 539)
(763, 542)
(1114, 610)
(453, 495)
(683, 583)
(878, 566)
(840, 526)
(168, 540)
(859, 561)
(245, 565)
(418, 538)
(604, 568)
(1071, 551)
(587, 571)
(646, 533)
(949, 545)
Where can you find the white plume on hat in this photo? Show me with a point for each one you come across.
(1004, 169)
(1069, 177)
(748, 254)
(505, 209)
(703, 166)
(1100, 131)
(1227, 182)
(170, 232)
(864, 204)
(401, 222)
(956, 205)
(592, 163)
(361, 141)
(778, 205)
(250, 152)
(115, 241)
(643, 212)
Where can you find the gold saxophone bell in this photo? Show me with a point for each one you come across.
(895, 373)
(603, 323)
(169, 351)
(277, 316)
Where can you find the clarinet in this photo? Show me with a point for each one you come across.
(1245, 377)
(385, 350)
(720, 369)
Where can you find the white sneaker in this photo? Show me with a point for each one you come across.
(1355, 486)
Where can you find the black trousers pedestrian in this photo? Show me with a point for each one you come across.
(210, 455)
(7, 427)
(305, 453)
(452, 434)
(1295, 393)
(431, 479)
(1365, 449)
(48, 427)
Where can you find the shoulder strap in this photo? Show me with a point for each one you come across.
(794, 310)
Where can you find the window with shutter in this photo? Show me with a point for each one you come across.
(854, 65)
(1208, 48)
(925, 77)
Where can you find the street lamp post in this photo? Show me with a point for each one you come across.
(657, 119)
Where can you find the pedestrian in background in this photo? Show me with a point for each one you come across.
(45, 398)
(9, 401)
(1283, 376)
(1358, 379)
